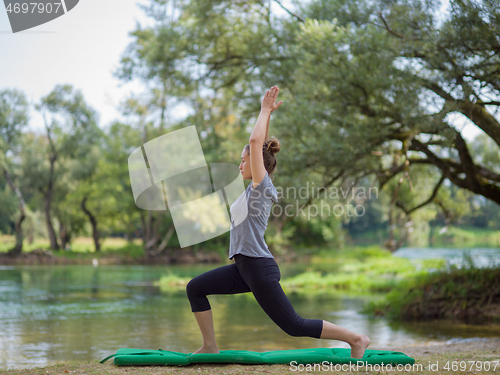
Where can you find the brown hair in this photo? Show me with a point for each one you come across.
(270, 147)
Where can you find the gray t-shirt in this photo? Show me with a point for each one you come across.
(247, 232)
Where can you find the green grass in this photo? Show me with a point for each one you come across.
(468, 237)
(81, 247)
(360, 270)
(172, 282)
(454, 237)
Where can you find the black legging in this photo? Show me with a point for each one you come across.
(261, 277)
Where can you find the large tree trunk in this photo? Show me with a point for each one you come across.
(54, 245)
(18, 248)
(93, 221)
(152, 236)
(64, 235)
(152, 239)
(392, 244)
(161, 249)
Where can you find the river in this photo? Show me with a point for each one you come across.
(51, 314)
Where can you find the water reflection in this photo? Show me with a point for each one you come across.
(481, 257)
(50, 314)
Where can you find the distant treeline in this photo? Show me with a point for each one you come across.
(372, 92)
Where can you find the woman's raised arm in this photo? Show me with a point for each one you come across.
(261, 129)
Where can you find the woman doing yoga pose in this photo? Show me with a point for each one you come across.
(255, 269)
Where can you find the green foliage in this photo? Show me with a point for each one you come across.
(467, 237)
(358, 253)
(468, 292)
(365, 270)
(8, 207)
(14, 118)
(381, 74)
(279, 240)
(172, 282)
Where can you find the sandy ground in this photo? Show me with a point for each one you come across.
(432, 348)
(482, 350)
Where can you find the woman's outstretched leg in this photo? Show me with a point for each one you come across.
(358, 342)
(206, 324)
(221, 280)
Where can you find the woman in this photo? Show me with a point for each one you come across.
(254, 269)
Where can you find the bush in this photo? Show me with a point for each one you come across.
(467, 293)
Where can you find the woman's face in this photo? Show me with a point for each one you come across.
(245, 165)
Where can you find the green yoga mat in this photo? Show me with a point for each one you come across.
(129, 356)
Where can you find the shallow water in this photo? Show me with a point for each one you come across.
(51, 314)
(479, 257)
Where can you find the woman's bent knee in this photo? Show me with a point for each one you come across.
(192, 287)
(197, 299)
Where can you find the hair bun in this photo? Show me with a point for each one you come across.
(272, 145)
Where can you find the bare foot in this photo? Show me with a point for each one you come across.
(208, 349)
(359, 346)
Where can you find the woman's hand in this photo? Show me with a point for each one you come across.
(268, 103)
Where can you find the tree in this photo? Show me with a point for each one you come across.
(389, 74)
(13, 119)
(85, 198)
(71, 131)
(359, 80)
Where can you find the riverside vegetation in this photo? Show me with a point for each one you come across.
(400, 288)
(468, 293)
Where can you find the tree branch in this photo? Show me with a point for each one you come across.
(292, 14)
(474, 111)
(480, 186)
(388, 28)
(468, 165)
(488, 103)
(433, 195)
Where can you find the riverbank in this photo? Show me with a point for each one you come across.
(468, 293)
(41, 256)
(114, 251)
(470, 354)
(448, 237)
